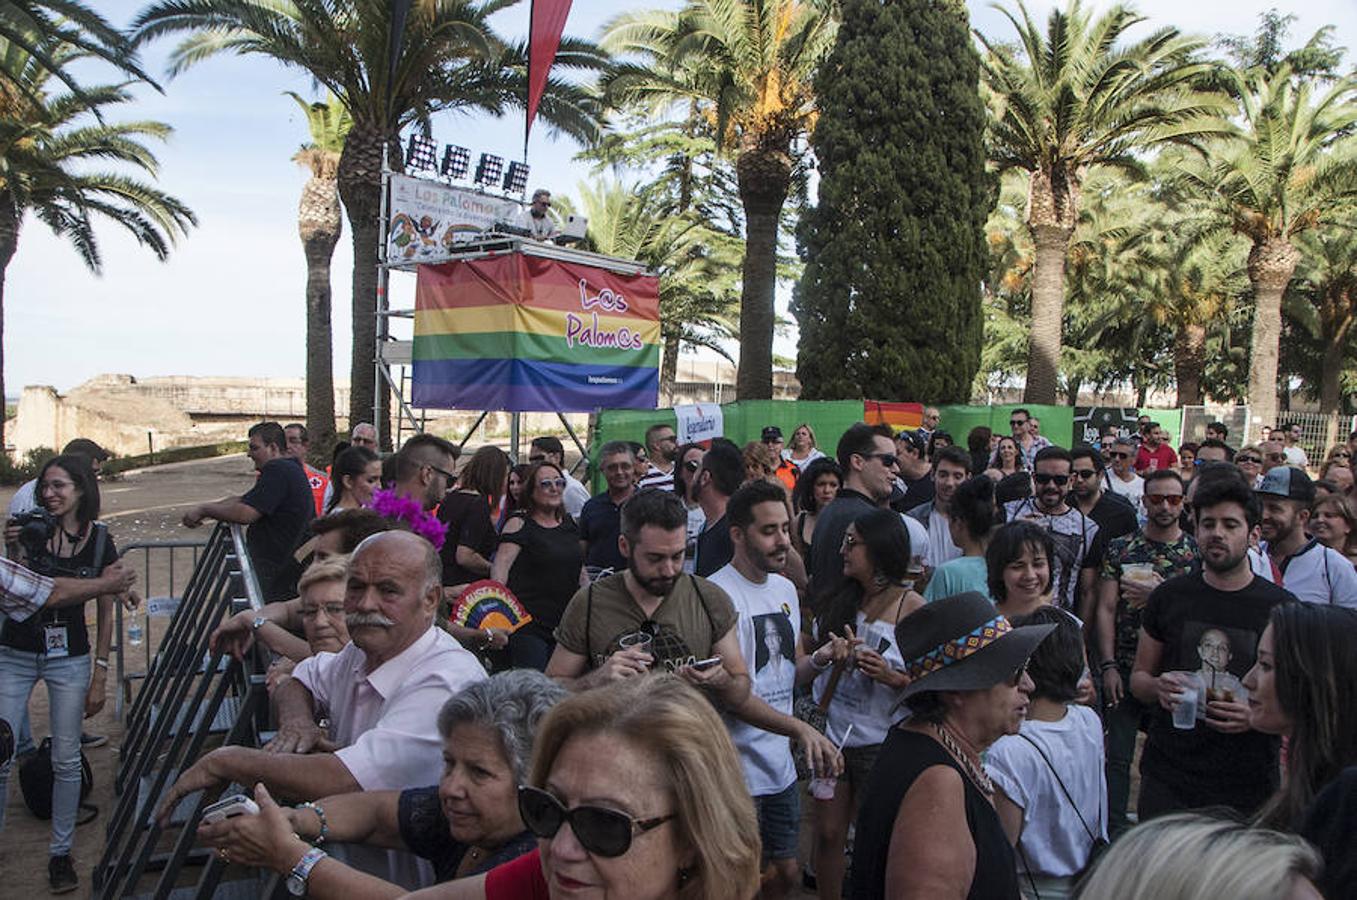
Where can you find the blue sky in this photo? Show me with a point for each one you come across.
(229, 300)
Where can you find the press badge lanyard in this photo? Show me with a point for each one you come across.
(56, 637)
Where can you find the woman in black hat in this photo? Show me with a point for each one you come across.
(928, 827)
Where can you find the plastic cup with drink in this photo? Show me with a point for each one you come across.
(638, 640)
(1187, 700)
(822, 787)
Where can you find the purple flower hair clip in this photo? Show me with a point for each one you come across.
(393, 506)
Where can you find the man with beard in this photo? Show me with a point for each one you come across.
(1112, 513)
(662, 451)
(1154, 453)
(424, 469)
(651, 617)
(1219, 761)
(1133, 566)
(381, 692)
(1072, 532)
(717, 481)
(952, 466)
(866, 454)
(769, 621)
(1305, 567)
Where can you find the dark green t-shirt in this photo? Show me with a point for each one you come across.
(686, 626)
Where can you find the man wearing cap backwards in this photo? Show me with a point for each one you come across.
(928, 818)
(1298, 562)
(1219, 761)
(787, 471)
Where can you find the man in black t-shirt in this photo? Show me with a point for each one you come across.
(276, 509)
(1113, 514)
(866, 454)
(914, 486)
(1219, 761)
(717, 481)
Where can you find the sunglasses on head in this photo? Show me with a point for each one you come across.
(693, 465)
(601, 831)
(1047, 478)
(1170, 499)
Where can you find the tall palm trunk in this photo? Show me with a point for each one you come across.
(1053, 204)
(1189, 363)
(319, 223)
(1272, 261)
(764, 175)
(669, 366)
(360, 186)
(10, 221)
(1338, 318)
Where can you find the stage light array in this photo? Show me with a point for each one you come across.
(456, 162)
(422, 153)
(516, 179)
(488, 169)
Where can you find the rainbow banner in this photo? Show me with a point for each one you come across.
(899, 416)
(525, 333)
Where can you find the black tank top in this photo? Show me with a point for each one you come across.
(903, 758)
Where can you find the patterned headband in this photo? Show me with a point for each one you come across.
(957, 649)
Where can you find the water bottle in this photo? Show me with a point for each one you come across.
(134, 632)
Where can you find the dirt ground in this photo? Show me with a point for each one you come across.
(139, 506)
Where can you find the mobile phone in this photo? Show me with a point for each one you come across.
(238, 805)
(703, 664)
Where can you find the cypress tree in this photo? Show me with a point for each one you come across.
(889, 302)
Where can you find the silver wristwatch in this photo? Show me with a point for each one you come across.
(296, 881)
(258, 623)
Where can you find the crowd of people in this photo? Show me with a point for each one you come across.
(951, 654)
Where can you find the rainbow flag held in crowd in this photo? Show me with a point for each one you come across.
(899, 416)
(525, 333)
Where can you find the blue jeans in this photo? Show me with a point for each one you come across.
(68, 680)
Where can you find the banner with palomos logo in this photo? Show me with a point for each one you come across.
(525, 333)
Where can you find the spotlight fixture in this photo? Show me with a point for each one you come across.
(488, 169)
(516, 179)
(422, 153)
(456, 162)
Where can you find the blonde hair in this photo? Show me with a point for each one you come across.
(332, 568)
(1348, 510)
(667, 718)
(761, 455)
(1196, 857)
(810, 432)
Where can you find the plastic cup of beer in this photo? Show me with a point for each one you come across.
(1185, 711)
(1138, 572)
(637, 640)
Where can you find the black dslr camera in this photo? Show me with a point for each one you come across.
(36, 528)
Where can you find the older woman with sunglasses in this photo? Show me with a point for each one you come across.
(928, 826)
(1249, 459)
(644, 775)
(465, 825)
(540, 560)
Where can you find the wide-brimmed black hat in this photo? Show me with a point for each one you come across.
(963, 643)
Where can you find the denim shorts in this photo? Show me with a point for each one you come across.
(780, 822)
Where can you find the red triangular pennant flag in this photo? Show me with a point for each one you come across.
(544, 39)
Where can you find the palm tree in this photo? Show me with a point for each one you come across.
(1071, 98)
(698, 266)
(748, 67)
(449, 59)
(38, 26)
(1289, 168)
(320, 223)
(1326, 280)
(50, 153)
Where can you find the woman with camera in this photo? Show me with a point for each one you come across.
(54, 646)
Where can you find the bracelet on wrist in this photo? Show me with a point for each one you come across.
(320, 814)
(820, 666)
(101, 663)
(1107, 664)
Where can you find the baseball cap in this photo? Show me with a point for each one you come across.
(914, 439)
(772, 433)
(1288, 482)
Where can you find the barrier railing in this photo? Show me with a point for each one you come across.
(163, 567)
(189, 694)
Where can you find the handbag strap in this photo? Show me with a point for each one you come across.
(1064, 790)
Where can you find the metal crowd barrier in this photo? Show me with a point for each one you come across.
(189, 694)
(164, 566)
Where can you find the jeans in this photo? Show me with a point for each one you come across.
(68, 681)
(1123, 724)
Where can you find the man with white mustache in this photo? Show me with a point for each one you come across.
(381, 692)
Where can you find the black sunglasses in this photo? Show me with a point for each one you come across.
(444, 472)
(601, 831)
(1047, 478)
(1014, 423)
(1248, 459)
(1085, 474)
(1119, 455)
(889, 460)
(537, 458)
